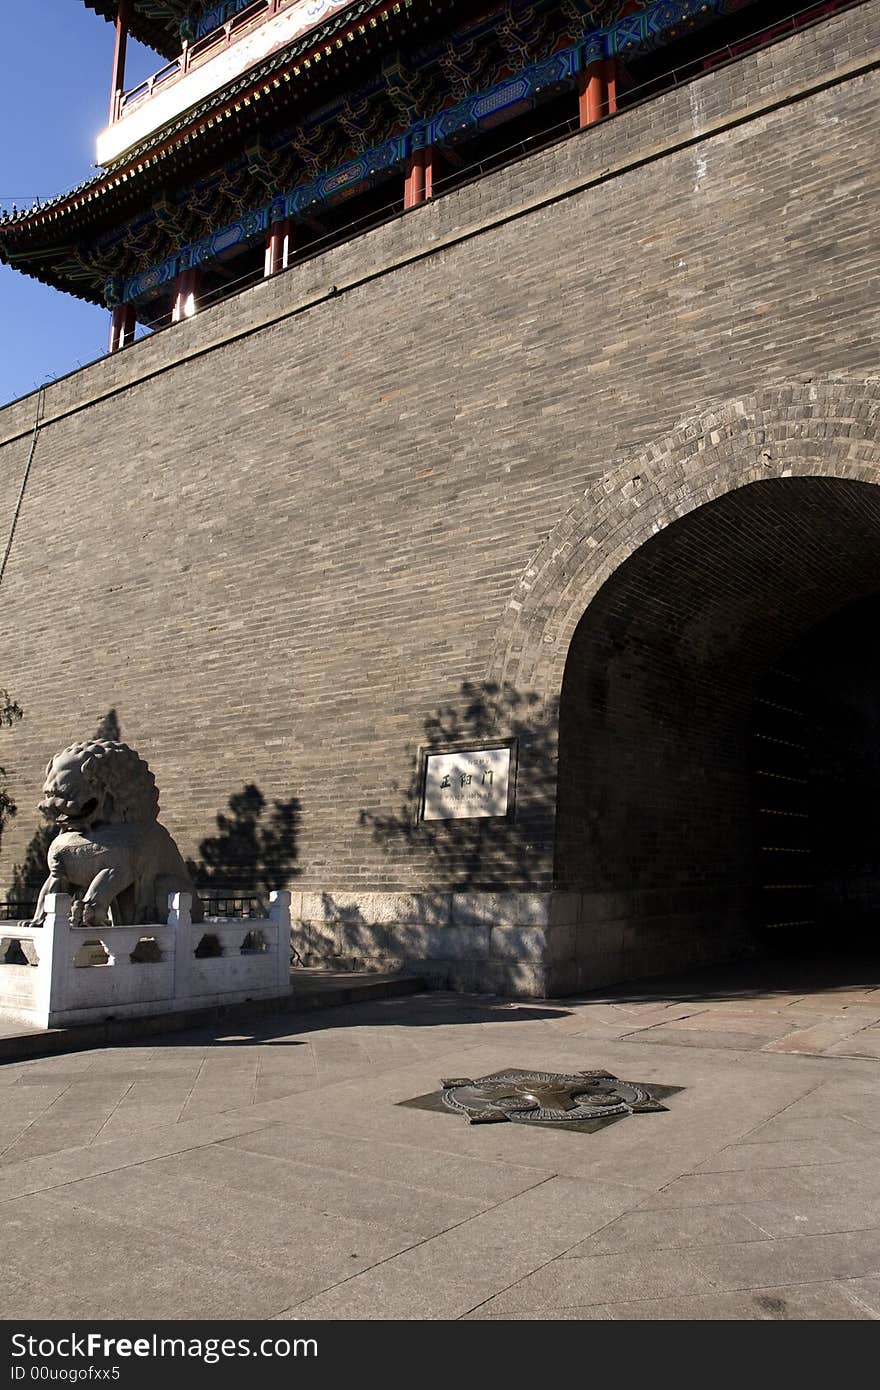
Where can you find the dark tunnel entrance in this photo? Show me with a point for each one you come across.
(816, 781)
(719, 762)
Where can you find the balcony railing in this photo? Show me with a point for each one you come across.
(209, 64)
(203, 49)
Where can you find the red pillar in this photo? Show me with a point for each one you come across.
(419, 183)
(117, 84)
(121, 326)
(429, 172)
(279, 247)
(186, 289)
(597, 91)
(610, 66)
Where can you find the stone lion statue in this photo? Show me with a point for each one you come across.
(103, 798)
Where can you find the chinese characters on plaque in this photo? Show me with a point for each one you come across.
(463, 785)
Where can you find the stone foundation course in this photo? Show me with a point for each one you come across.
(538, 945)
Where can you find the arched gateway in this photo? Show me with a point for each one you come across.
(707, 618)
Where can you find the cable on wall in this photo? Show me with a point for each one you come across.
(38, 420)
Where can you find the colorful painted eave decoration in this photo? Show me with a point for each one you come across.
(305, 54)
(639, 32)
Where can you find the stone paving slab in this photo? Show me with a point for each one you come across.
(829, 1301)
(694, 1037)
(446, 1277)
(457, 1175)
(269, 1232)
(264, 1167)
(865, 1043)
(310, 989)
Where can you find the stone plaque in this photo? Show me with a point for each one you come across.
(464, 785)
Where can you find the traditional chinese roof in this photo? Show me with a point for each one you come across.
(289, 133)
(156, 23)
(162, 24)
(50, 241)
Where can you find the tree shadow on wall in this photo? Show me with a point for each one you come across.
(29, 876)
(255, 848)
(487, 852)
(10, 712)
(109, 727)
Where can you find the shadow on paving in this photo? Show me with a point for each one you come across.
(781, 972)
(418, 1011)
(260, 1026)
(785, 970)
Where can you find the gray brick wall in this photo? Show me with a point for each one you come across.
(279, 537)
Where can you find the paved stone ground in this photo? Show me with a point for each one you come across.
(271, 1174)
(311, 988)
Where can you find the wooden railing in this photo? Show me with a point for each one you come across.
(194, 54)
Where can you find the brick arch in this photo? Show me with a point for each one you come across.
(806, 429)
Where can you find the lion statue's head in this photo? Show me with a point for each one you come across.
(98, 783)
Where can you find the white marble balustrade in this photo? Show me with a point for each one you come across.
(83, 974)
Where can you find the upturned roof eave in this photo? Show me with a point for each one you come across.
(186, 126)
(162, 35)
(91, 294)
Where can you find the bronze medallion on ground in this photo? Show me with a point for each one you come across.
(581, 1101)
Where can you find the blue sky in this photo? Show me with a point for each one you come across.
(54, 98)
